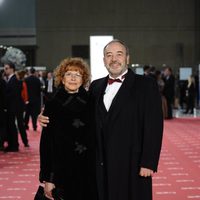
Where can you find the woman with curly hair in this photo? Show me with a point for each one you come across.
(65, 146)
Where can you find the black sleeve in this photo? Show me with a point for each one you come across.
(46, 152)
(153, 127)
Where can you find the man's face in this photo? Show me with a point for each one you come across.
(166, 72)
(115, 59)
(8, 70)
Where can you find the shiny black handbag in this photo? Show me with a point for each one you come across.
(58, 194)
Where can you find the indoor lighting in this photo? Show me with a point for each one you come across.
(1, 1)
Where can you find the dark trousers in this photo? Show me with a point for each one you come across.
(190, 104)
(2, 137)
(169, 108)
(32, 110)
(21, 127)
(3, 120)
(11, 131)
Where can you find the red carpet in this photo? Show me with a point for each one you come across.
(19, 171)
(178, 177)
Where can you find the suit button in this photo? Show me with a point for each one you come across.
(101, 163)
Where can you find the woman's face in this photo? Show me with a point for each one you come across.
(72, 80)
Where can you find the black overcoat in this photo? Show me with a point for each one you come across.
(128, 137)
(65, 145)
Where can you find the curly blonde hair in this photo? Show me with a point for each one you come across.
(71, 64)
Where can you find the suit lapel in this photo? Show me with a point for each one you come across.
(123, 94)
(99, 103)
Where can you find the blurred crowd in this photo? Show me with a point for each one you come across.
(22, 95)
(176, 93)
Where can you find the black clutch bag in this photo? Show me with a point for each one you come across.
(58, 194)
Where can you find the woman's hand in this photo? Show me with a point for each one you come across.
(43, 120)
(48, 187)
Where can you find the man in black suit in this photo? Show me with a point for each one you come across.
(127, 119)
(128, 126)
(49, 90)
(169, 90)
(34, 94)
(14, 106)
(2, 112)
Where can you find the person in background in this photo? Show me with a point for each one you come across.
(161, 86)
(146, 69)
(152, 72)
(34, 104)
(190, 95)
(126, 115)
(24, 95)
(65, 143)
(3, 111)
(169, 90)
(49, 87)
(15, 106)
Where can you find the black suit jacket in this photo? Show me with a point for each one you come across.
(128, 137)
(2, 102)
(169, 87)
(34, 89)
(13, 95)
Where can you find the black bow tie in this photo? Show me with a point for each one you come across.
(111, 81)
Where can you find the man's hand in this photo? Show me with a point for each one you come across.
(43, 120)
(145, 172)
(48, 187)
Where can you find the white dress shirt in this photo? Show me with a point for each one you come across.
(111, 91)
(50, 85)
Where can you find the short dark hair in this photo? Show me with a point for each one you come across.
(146, 67)
(32, 70)
(11, 65)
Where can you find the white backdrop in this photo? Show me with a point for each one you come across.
(97, 43)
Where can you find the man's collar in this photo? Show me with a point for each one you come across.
(121, 77)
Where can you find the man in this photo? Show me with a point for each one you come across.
(15, 108)
(49, 87)
(2, 111)
(128, 124)
(146, 69)
(34, 93)
(169, 90)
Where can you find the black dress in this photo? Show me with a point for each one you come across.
(66, 145)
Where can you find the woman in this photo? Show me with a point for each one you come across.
(24, 101)
(65, 144)
(190, 95)
(24, 93)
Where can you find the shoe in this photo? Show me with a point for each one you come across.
(169, 118)
(9, 149)
(2, 148)
(27, 145)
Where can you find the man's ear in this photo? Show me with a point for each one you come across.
(128, 59)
